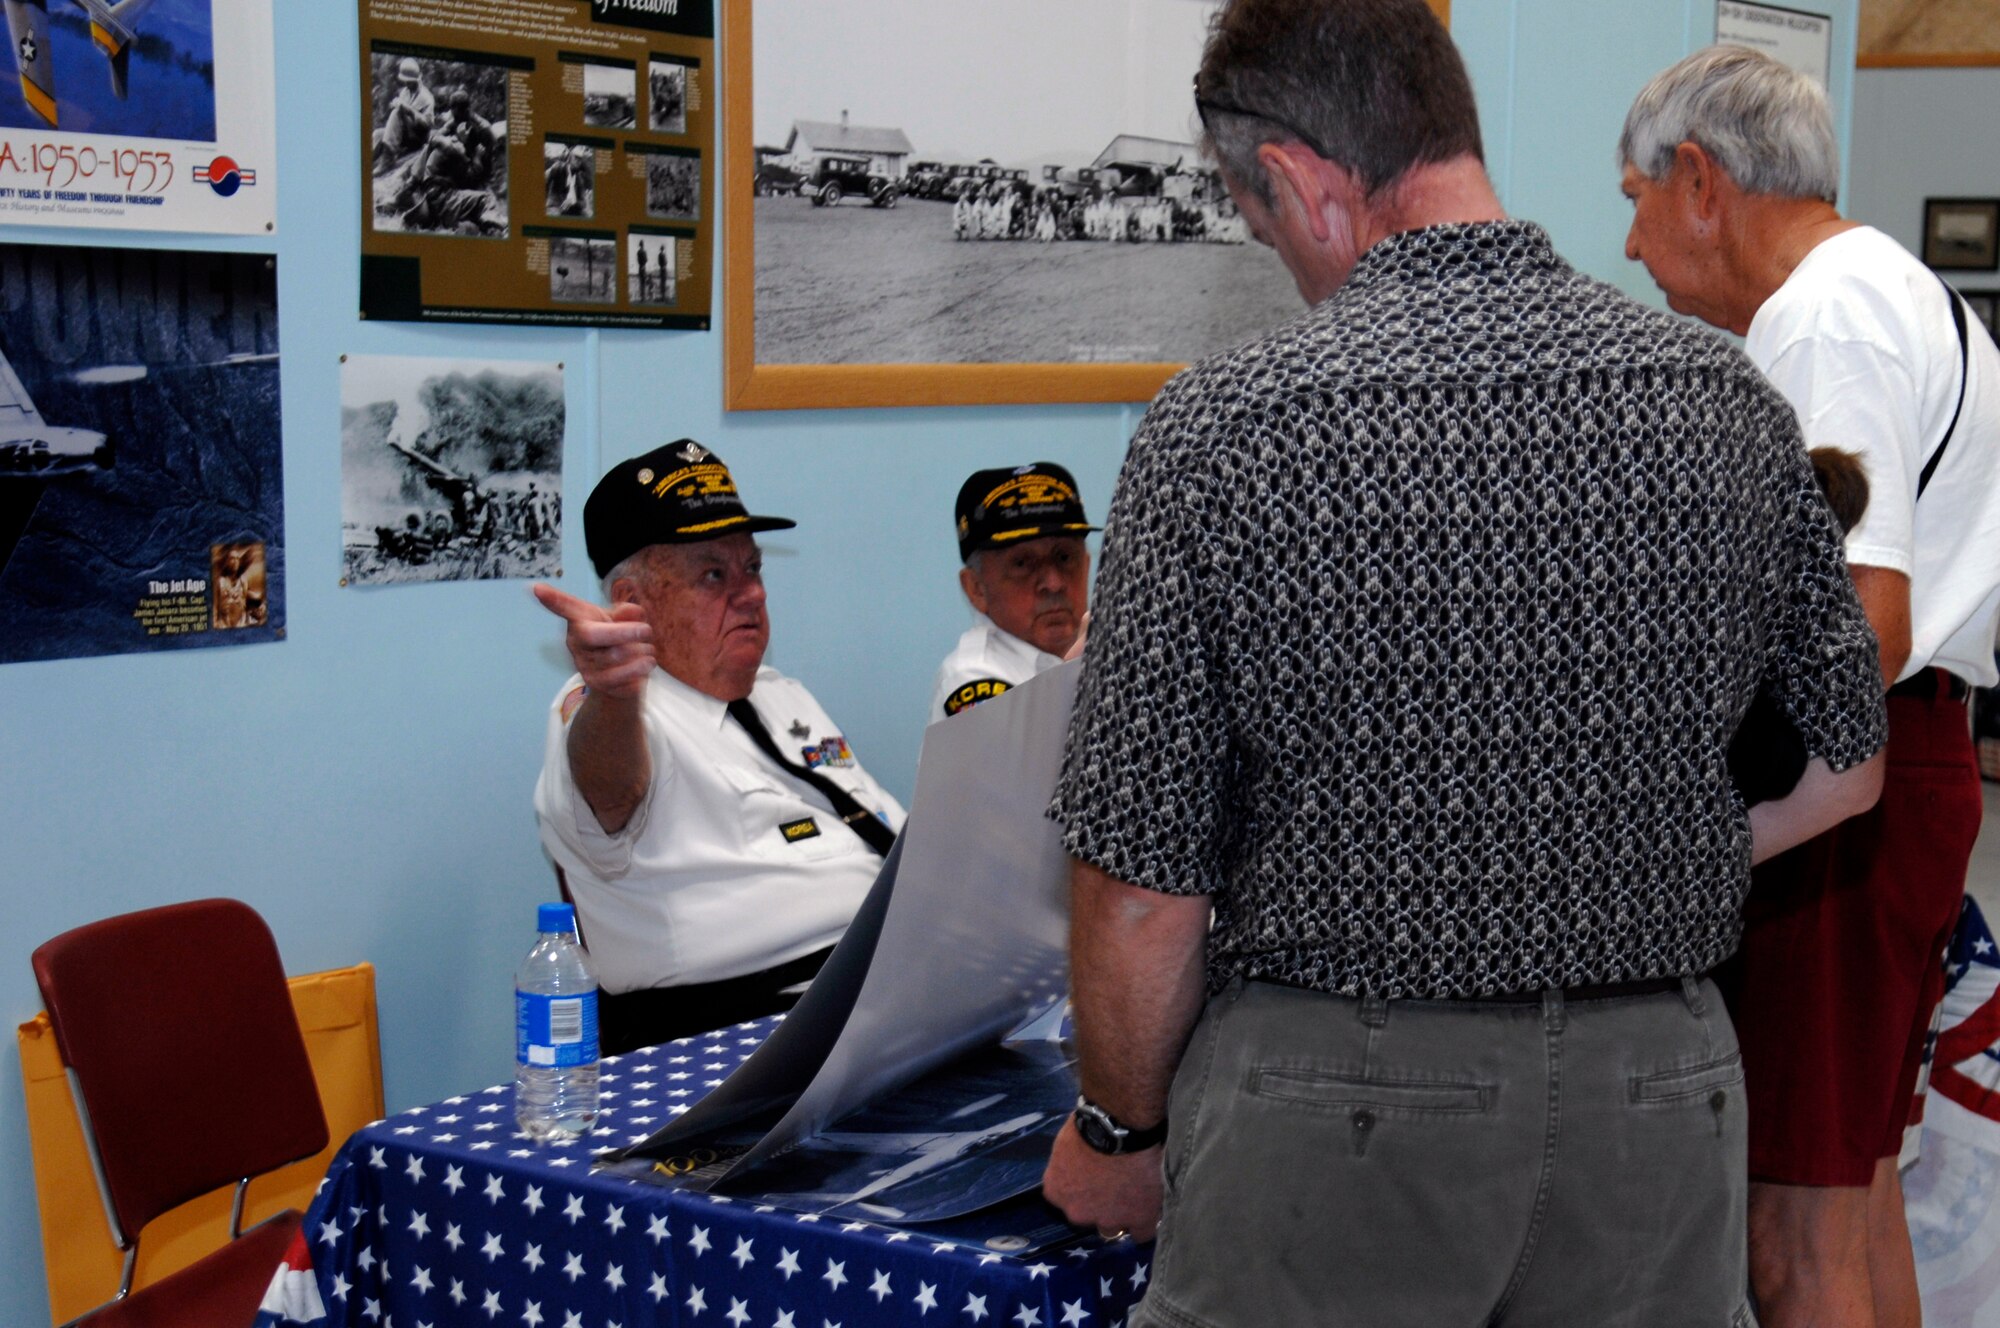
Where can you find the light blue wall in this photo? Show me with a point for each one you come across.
(1923, 133)
(365, 784)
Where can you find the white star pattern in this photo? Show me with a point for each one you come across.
(975, 1306)
(696, 1302)
(573, 1210)
(739, 1313)
(366, 1258)
(788, 1262)
(1027, 1317)
(614, 1218)
(341, 1286)
(1138, 1276)
(329, 1232)
(495, 1191)
(422, 1281)
(533, 1201)
(414, 1168)
(1074, 1313)
(1036, 1270)
(784, 1320)
(572, 1320)
(879, 1288)
(657, 1288)
(376, 1160)
(699, 1242)
(420, 1225)
(835, 1275)
(742, 1252)
(614, 1277)
(926, 1297)
(454, 1180)
(531, 1313)
(491, 1306)
(457, 1292)
(492, 1249)
(573, 1266)
(656, 1227)
(452, 1238)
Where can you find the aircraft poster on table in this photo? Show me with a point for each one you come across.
(141, 484)
(140, 114)
(549, 163)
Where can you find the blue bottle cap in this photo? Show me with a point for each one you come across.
(556, 917)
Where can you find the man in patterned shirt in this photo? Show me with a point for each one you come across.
(1399, 759)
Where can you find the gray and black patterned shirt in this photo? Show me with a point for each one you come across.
(1424, 622)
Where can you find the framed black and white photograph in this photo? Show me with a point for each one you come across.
(450, 470)
(569, 178)
(673, 183)
(652, 267)
(583, 269)
(933, 204)
(1962, 234)
(666, 96)
(439, 145)
(610, 96)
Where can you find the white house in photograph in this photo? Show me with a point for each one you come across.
(887, 150)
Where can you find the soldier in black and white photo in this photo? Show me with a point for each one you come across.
(610, 96)
(650, 276)
(583, 269)
(569, 179)
(667, 85)
(673, 187)
(440, 163)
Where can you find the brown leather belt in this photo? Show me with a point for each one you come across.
(1594, 991)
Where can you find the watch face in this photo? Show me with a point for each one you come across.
(1096, 1131)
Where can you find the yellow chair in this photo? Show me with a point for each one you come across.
(336, 1012)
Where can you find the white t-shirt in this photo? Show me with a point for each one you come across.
(731, 865)
(985, 662)
(1860, 340)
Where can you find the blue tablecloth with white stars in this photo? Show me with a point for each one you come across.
(447, 1217)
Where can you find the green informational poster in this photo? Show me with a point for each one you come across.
(538, 161)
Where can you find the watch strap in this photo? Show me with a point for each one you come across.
(1122, 1137)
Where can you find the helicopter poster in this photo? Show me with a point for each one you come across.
(141, 475)
(543, 164)
(142, 114)
(450, 470)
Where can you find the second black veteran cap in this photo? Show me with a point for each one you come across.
(677, 494)
(1001, 507)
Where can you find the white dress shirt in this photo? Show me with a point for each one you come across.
(731, 864)
(985, 662)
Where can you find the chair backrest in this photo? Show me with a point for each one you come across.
(178, 1030)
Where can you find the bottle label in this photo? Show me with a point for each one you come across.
(556, 1031)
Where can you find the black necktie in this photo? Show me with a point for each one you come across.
(857, 818)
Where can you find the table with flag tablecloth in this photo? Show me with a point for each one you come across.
(446, 1216)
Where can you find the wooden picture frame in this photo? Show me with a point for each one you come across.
(1962, 234)
(1984, 306)
(1917, 34)
(751, 385)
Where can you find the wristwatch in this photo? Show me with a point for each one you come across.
(1101, 1130)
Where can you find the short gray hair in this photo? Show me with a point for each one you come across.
(1768, 126)
(636, 566)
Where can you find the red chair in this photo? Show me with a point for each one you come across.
(189, 1073)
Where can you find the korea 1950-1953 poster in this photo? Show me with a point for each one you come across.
(538, 161)
(142, 114)
(141, 480)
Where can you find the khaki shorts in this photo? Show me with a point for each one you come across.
(1455, 1164)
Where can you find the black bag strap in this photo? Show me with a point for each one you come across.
(1964, 374)
(851, 813)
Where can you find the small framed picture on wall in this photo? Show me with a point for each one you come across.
(1962, 234)
(1984, 306)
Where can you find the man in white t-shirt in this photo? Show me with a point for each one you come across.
(1731, 164)
(1027, 576)
(713, 824)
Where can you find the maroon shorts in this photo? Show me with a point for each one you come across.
(1842, 959)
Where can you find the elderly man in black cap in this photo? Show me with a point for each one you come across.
(712, 823)
(1027, 575)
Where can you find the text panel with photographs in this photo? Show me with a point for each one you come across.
(546, 161)
(141, 480)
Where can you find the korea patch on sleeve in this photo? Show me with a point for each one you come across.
(794, 831)
(985, 689)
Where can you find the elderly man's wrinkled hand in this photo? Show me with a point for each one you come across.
(1119, 1196)
(611, 648)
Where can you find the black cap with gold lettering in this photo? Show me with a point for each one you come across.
(997, 508)
(677, 494)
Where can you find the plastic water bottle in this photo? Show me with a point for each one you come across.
(555, 1031)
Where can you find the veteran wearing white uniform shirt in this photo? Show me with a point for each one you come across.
(712, 822)
(1027, 576)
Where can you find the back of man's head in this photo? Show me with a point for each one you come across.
(1374, 86)
(1766, 125)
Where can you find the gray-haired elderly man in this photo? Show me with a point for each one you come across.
(1731, 163)
(1423, 625)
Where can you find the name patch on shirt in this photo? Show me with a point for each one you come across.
(831, 754)
(794, 831)
(985, 689)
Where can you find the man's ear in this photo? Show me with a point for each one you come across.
(1703, 179)
(1301, 179)
(974, 591)
(625, 590)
